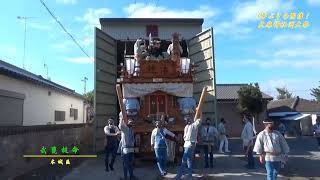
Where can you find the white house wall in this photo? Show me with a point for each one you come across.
(39, 107)
(122, 31)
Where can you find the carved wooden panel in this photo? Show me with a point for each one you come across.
(158, 69)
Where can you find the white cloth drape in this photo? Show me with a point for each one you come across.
(141, 89)
(132, 66)
(185, 65)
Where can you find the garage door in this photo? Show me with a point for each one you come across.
(11, 108)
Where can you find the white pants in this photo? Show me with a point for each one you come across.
(224, 140)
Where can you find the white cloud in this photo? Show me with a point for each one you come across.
(307, 63)
(142, 10)
(67, 1)
(87, 41)
(314, 2)
(244, 12)
(248, 11)
(298, 52)
(66, 46)
(292, 50)
(232, 28)
(91, 17)
(298, 86)
(62, 46)
(285, 38)
(301, 38)
(80, 60)
(279, 63)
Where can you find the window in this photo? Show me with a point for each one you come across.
(153, 29)
(59, 115)
(161, 104)
(157, 104)
(71, 112)
(74, 113)
(153, 104)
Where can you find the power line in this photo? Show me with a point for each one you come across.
(64, 29)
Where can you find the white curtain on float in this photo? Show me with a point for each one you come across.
(141, 89)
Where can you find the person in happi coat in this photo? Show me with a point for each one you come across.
(272, 149)
(111, 131)
(190, 141)
(158, 143)
(246, 136)
(127, 146)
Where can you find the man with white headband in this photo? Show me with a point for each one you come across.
(272, 149)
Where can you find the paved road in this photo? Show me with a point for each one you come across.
(304, 163)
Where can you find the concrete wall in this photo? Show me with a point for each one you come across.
(121, 31)
(39, 107)
(228, 110)
(230, 113)
(16, 142)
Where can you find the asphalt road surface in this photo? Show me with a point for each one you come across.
(304, 163)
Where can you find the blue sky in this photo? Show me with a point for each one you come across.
(243, 52)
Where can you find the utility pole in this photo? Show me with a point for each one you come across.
(25, 37)
(47, 68)
(85, 84)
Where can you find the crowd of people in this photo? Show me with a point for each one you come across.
(270, 145)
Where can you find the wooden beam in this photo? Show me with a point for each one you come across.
(202, 98)
(120, 99)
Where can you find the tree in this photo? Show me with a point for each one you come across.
(283, 93)
(250, 102)
(89, 97)
(316, 93)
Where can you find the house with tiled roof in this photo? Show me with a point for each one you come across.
(297, 114)
(227, 101)
(27, 99)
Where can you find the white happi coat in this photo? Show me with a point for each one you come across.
(272, 144)
(247, 133)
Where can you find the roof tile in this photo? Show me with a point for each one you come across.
(286, 105)
(230, 92)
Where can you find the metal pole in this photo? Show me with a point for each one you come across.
(47, 68)
(85, 84)
(24, 42)
(25, 38)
